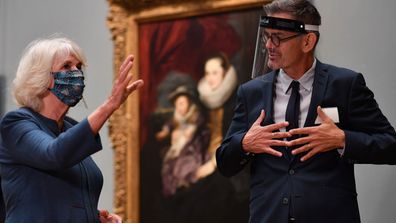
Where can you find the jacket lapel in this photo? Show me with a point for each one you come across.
(318, 91)
(268, 92)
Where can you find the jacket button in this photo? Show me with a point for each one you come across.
(285, 200)
(291, 172)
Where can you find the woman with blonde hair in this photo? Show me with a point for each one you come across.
(47, 173)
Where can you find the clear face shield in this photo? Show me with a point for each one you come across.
(260, 66)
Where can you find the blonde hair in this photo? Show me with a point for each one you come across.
(33, 77)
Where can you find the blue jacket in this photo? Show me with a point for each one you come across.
(321, 189)
(48, 175)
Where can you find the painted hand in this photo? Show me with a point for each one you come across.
(106, 217)
(206, 169)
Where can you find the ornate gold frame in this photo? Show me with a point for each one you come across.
(123, 20)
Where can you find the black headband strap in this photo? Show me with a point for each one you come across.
(286, 24)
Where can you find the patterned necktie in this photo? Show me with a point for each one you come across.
(293, 108)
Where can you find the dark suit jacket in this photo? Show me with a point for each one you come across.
(321, 189)
(48, 175)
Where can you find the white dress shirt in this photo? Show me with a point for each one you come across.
(282, 95)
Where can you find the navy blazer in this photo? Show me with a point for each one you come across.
(48, 175)
(321, 189)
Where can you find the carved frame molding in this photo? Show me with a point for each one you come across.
(123, 19)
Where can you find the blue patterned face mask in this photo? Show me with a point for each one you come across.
(69, 86)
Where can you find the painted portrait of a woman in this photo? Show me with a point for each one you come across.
(192, 67)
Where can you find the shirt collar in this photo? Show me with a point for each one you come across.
(306, 81)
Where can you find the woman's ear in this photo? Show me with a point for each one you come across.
(51, 81)
(309, 42)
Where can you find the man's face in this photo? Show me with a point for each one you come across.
(288, 53)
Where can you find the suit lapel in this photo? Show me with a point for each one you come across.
(318, 91)
(268, 92)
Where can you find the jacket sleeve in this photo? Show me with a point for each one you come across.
(369, 137)
(26, 143)
(230, 156)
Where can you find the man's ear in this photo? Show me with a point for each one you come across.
(310, 40)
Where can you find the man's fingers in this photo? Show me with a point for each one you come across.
(273, 152)
(272, 127)
(303, 131)
(260, 118)
(280, 135)
(299, 141)
(323, 115)
(309, 155)
(278, 143)
(311, 150)
(276, 126)
(301, 149)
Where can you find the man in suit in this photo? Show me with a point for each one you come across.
(303, 126)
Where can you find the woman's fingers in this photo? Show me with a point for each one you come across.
(127, 60)
(135, 85)
(125, 67)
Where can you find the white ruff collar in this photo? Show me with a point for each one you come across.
(213, 99)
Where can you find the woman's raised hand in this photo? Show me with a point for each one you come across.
(122, 87)
(120, 92)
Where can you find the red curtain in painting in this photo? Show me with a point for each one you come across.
(179, 45)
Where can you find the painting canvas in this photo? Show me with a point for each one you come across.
(192, 67)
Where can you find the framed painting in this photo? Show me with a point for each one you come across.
(192, 55)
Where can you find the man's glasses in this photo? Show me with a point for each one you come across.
(276, 40)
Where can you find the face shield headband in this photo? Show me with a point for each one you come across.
(286, 24)
(267, 22)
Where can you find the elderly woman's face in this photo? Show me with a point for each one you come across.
(66, 63)
(68, 85)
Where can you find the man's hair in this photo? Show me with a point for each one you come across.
(301, 10)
